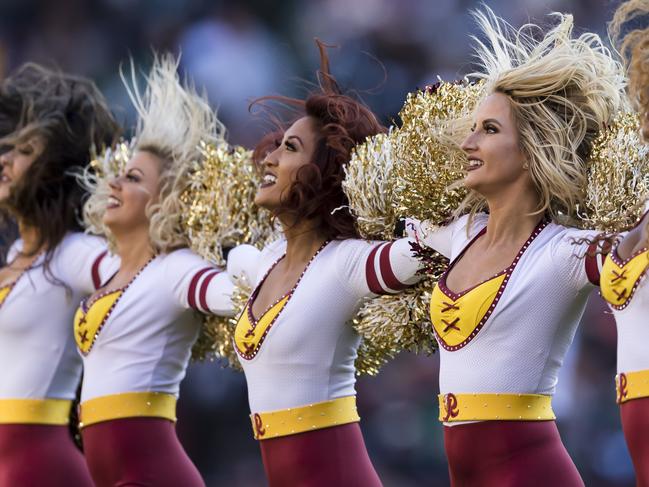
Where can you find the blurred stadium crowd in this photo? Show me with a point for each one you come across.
(240, 50)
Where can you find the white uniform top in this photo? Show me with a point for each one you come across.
(522, 343)
(38, 359)
(146, 339)
(633, 325)
(308, 355)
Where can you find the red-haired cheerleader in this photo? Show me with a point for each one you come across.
(57, 121)
(507, 308)
(294, 338)
(624, 276)
(136, 333)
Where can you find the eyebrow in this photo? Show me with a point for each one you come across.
(135, 169)
(492, 120)
(295, 137)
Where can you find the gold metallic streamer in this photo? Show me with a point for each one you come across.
(369, 186)
(112, 160)
(221, 214)
(217, 334)
(618, 177)
(391, 324)
(221, 211)
(427, 153)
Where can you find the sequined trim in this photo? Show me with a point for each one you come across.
(87, 303)
(249, 354)
(454, 297)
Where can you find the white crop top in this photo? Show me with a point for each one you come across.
(302, 350)
(38, 357)
(141, 340)
(510, 334)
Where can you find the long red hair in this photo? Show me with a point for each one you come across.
(341, 122)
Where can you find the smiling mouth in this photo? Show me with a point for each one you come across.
(4, 179)
(473, 164)
(268, 180)
(113, 203)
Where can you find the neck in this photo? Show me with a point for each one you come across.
(30, 237)
(302, 241)
(134, 249)
(511, 217)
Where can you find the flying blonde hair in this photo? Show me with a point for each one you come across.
(172, 121)
(562, 90)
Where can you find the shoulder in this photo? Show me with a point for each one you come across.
(353, 245)
(276, 247)
(465, 229)
(14, 249)
(82, 244)
(183, 259)
(81, 251)
(272, 251)
(569, 241)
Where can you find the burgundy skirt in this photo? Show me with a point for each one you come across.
(326, 457)
(38, 454)
(142, 452)
(508, 454)
(635, 423)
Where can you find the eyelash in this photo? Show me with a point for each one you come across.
(289, 146)
(132, 178)
(490, 129)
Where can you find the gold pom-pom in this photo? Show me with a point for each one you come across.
(221, 210)
(427, 153)
(391, 324)
(221, 214)
(618, 177)
(369, 186)
(216, 339)
(112, 160)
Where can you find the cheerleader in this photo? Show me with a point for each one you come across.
(294, 339)
(136, 332)
(624, 283)
(506, 310)
(58, 120)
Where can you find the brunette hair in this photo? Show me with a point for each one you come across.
(341, 123)
(72, 118)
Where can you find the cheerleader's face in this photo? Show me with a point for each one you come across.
(280, 167)
(15, 161)
(495, 159)
(132, 192)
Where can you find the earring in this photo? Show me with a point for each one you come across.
(526, 166)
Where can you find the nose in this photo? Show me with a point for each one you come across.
(115, 183)
(6, 158)
(271, 159)
(469, 143)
